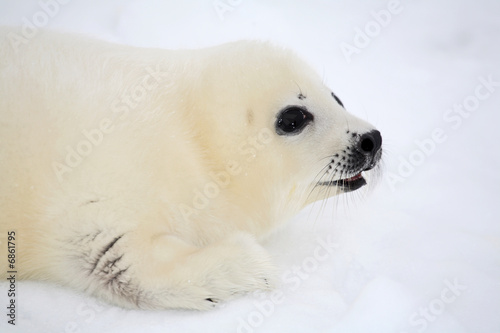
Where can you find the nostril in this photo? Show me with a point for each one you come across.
(367, 144)
(370, 142)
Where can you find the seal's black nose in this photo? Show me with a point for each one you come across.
(370, 143)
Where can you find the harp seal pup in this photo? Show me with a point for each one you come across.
(147, 177)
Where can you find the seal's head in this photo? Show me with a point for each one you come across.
(289, 132)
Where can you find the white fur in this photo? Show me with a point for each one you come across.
(170, 121)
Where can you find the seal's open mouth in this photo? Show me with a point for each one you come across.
(348, 184)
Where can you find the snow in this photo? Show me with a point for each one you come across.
(419, 252)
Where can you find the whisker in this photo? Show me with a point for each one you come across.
(320, 176)
(324, 170)
(326, 191)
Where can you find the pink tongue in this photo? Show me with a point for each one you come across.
(354, 178)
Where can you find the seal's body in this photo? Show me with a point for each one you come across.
(146, 176)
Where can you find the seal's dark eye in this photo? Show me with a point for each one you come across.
(292, 120)
(338, 100)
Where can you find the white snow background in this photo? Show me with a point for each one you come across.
(419, 252)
